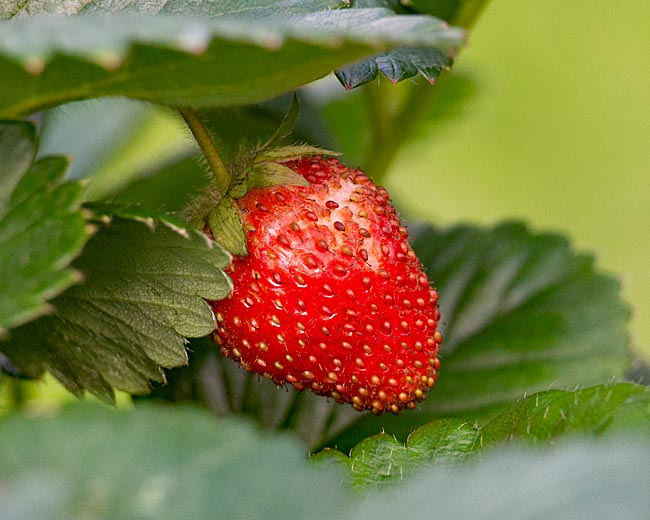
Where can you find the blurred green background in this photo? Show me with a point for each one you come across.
(557, 133)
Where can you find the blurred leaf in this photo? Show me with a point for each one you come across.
(115, 141)
(145, 279)
(170, 189)
(539, 419)
(229, 56)
(227, 389)
(179, 463)
(578, 481)
(521, 313)
(41, 227)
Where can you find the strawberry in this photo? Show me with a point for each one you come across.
(331, 297)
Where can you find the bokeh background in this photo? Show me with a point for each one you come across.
(556, 132)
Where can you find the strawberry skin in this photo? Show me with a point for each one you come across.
(331, 296)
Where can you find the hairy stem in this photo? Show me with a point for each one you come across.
(220, 172)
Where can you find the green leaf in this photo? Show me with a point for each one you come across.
(598, 410)
(229, 56)
(382, 460)
(41, 227)
(146, 277)
(266, 174)
(286, 126)
(541, 419)
(146, 463)
(521, 313)
(396, 65)
(403, 63)
(291, 153)
(579, 481)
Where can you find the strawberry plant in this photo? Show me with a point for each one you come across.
(193, 222)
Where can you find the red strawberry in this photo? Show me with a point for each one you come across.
(331, 297)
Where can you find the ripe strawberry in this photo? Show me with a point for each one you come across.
(331, 297)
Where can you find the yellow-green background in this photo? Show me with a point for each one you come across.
(558, 134)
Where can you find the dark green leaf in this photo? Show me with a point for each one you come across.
(155, 463)
(396, 65)
(224, 58)
(521, 313)
(541, 419)
(146, 277)
(41, 227)
(171, 189)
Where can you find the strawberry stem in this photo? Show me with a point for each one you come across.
(220, 172)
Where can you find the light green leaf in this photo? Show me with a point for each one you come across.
(227, 226)
(170, 56)
(267, 174)
(291, 153)
(521, 313)
(146, 277)
(41, 227)
(382, 460)
(541, 420)
(154, 463)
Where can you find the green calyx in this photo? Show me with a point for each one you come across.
(217, 212)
